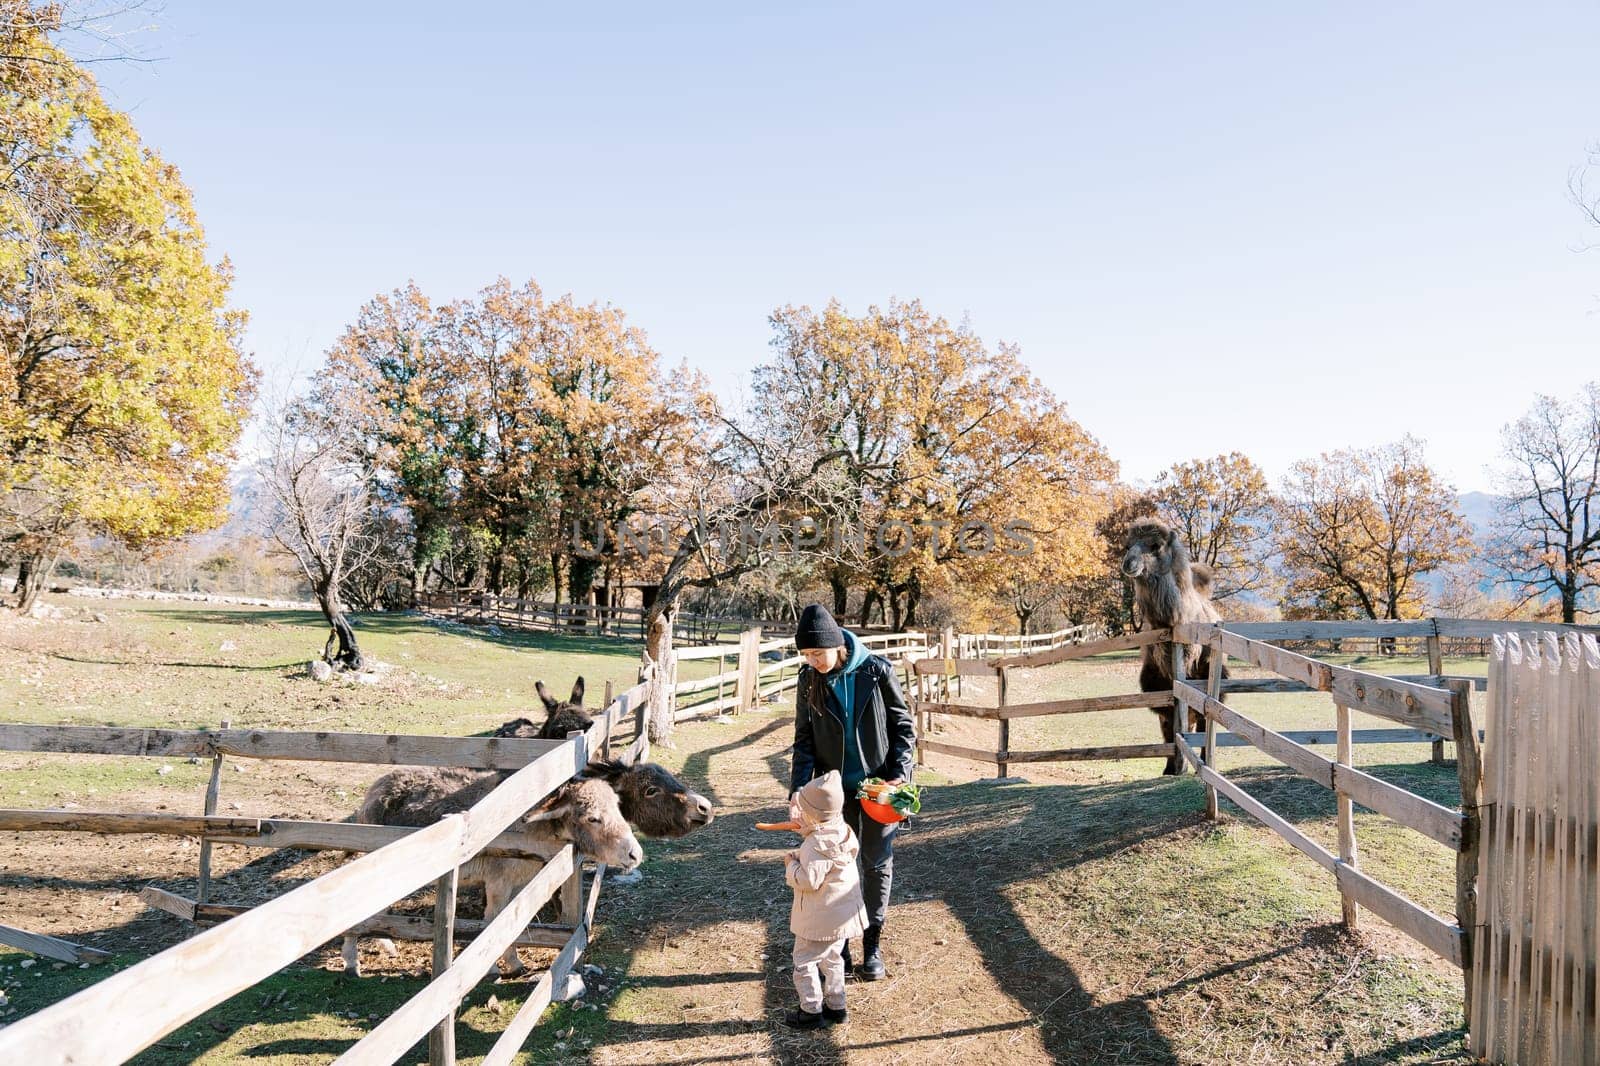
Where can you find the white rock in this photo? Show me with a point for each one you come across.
(227, 645)
(632, 878)
(28, 964)
(319, 670)
(572, 988)
(164, 771)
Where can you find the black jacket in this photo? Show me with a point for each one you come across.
(884, 730)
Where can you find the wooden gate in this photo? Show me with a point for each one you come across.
(1534, 965)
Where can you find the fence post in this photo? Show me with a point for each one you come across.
(213, 793)
(1469, 772)
(1436, 668)
(749, 684)
(1348, 853)
(1214, 690)
(1005, 728)
(1175, 712)
(605, 743)
(442, 1040)
(722, 666)
(920, 718)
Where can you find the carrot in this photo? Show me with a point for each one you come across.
(793, 827)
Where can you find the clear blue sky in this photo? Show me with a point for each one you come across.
(1281, 228)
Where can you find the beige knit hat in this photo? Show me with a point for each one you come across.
(823, 798)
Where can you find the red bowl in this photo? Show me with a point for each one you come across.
(881, 812)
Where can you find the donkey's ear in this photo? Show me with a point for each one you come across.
(554, 814)
(550, 703)
(577, 693)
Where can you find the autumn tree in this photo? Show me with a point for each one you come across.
(510, 420)
(949, 442)
(1546, 536)
(123, 389)
(1358, 529)
(1223, 508)
(742, 496)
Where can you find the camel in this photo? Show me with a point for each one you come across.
(584, 812)
(1169, 590)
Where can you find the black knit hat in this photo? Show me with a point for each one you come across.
(817, 629)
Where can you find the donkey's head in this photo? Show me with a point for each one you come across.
(552, 705)
(586, 813)
(652, 799)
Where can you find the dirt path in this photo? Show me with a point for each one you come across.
(708, 977)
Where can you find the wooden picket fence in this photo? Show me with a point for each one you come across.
(121, 1015)
(1534, 994)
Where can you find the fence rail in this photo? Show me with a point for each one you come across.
(755, 678)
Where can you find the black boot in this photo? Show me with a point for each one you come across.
(871, 968)
(835, 1015)
(849, 967)
(802, 1019)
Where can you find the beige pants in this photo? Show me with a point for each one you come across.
(815, 989)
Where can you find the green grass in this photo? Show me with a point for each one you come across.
(165, 665)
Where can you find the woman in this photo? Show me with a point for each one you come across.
(850, 716)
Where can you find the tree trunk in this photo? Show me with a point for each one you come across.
(33, 572)
(869, 600)
(841, 592)
(1569, 601)
(658, 650)
(581, 574)
(341, 648)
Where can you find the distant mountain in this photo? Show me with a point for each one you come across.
(1479, 508)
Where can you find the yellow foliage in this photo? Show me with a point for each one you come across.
(122, 385)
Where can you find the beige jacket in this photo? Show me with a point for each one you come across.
(827, 888)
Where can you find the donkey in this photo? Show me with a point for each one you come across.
(653, 800)
(583, 812)
(1169, 590)
(560, 717)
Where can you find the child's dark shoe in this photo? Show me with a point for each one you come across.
(836, 1015)
(802, 1019)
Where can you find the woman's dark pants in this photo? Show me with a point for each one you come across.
(876, 859)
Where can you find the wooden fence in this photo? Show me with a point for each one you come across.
(512, 612)
(1539, 887)
(1424, 709)
(113, 1020)
(754, 677)
(988, 645)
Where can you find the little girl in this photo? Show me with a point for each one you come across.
(828, 907)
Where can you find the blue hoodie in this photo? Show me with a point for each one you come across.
(842, 680)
